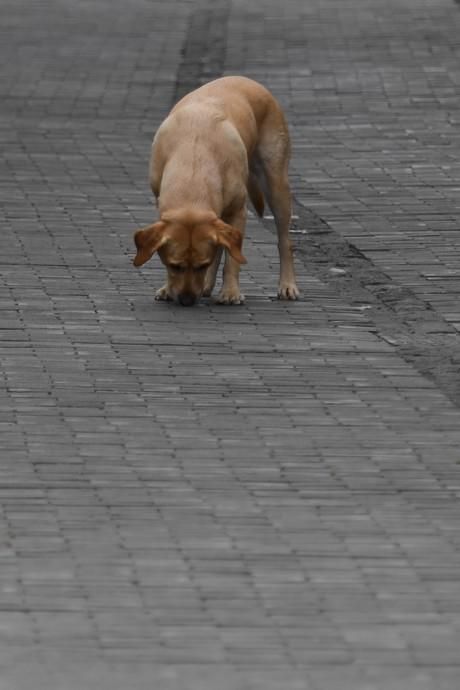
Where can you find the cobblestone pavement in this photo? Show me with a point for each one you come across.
(253, 498)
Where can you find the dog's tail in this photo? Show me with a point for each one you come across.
(256, 195)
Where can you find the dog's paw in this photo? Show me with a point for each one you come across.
(230, 296)
(207, 291)
(163, 294)
(288, 290)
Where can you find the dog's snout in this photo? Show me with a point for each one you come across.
(187, 299)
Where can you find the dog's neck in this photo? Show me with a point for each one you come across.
(189, 215)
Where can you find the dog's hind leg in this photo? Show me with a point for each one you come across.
(272, 160)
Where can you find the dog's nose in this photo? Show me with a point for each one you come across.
(187, 299)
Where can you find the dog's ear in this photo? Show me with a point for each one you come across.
(147, 241)
(231, 238)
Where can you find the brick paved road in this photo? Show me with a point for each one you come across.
(263, 497)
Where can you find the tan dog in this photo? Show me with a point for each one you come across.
(220, 144)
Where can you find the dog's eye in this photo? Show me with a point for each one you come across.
(177, 268)
(201, 268)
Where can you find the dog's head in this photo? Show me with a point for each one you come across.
(187, 244)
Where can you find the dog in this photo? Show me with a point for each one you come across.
(221, 144)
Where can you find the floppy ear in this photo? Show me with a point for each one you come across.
(147, 242)
(231, 238)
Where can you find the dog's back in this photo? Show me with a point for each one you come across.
(216, 130)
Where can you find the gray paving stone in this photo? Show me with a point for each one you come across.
(263, 497)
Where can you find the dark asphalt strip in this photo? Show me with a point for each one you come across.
(418, 333)
(203, 52)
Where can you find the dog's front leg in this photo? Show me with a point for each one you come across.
(211, 274)
(164, 293)
(230, 292)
